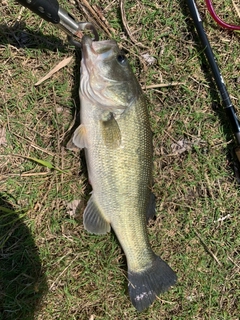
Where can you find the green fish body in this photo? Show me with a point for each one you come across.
(117, 138)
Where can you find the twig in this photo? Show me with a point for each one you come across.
(236, 265)
(27, 174)
(95, 15)
(46, 193)
(33, 145)
(163, 85)
(207, 249)
(63, 272)
(236, 8)
(59, 66)
(124, 21)
(20, 14)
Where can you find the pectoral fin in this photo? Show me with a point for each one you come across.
(79, 138)
(111, 132)
(71, 146)
(93, 219)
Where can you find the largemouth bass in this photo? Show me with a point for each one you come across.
(117, 138)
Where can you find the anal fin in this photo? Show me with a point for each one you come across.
(93, 219)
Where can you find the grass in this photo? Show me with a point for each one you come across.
(50, 267)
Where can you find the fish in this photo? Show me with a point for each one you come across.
(117, 139)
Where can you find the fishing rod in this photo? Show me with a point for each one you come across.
(228, 106)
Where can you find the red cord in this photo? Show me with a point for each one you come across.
(217, 19)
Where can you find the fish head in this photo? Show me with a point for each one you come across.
(106, 76)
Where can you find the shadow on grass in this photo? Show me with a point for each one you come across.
(22, 282)
(20, 36)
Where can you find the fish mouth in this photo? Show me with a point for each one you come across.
(92, 50)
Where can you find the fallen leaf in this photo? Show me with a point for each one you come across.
(72, 208)
(59, 66)
(149, 59)
(181, 146)
(45, 163)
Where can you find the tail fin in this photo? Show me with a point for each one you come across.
(146, 285)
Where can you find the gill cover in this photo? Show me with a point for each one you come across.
(106, 76)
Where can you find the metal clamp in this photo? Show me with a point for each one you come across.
(52, 12)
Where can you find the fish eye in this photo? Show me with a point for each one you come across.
(121, 58)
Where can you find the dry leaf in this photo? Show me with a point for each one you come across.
(183, 145)
(228, 216)
(3, 140)
(149, 59)
(72, 208)
(61, 65)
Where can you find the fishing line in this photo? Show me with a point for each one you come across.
(217, 19)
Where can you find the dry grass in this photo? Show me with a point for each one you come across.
(50, 268)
